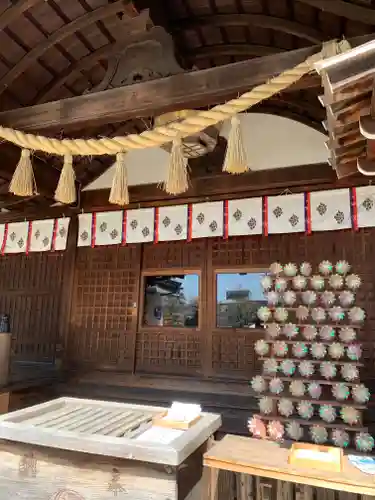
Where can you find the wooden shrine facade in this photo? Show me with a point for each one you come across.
(89, 300)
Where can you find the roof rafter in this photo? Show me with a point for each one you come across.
(344, 9)
(274, 23)
(14, 11)
(56, 37)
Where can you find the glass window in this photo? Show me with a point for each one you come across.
(171, 300)
(238, 297)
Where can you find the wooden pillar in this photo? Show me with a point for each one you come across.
(4, 402)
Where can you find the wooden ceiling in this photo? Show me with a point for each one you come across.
(53, 49)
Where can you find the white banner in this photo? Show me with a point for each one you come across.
(84, 230)
(108, 228)
(16, 237)
(61, 233)
(41, 235)
(245, 216)
(365, 206)
(140, 225)
(207, 219)
(173, 223)
(286, 213)
(330, 210)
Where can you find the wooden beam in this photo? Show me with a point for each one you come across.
(193, 90)
(218, 185)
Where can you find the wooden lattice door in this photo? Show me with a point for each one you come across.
(104, 310)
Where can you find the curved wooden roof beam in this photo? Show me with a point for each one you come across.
(344, 9)
(262, 21)
(49, 91)
(11, 13)
(236, 49)
(56, 37)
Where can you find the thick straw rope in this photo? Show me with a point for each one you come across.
(163, 134)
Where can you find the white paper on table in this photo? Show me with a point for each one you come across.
(183, 412)
(321, 456)
(161, 435)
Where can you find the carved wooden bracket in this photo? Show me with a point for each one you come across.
(147, 53)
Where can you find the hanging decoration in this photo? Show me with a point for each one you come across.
(297, 388)
(270, 366)
(285, 407)
(257, 428)
(340, 391)
(305, 269)
(314, 385)
(318, 434)
(328, 298)
(290, 330)
(336, 350)
(294, 430)
(315, 390)
(272, 329)
(305, 410)
(290, 269)
(266, 405)
(364, 442)
(288, 367)
(34, 236)
(350, 415)
(309, 332)
(346, 298)
(325, 268)
(261, 347)
(289, 297)
(299, 282)
(258, 384)
(275, 430)
(276, 386)
(306, 369)
(342, 267)
(347, 334)
(360, 394)
(327, 413)
(353, 281)
(328, 370)
(340, 438)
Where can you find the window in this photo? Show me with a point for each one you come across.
(238, 297)
(171, 300)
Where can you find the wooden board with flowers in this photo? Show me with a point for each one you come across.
(310, 388)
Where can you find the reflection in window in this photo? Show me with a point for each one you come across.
(238, 297)
(171, 301)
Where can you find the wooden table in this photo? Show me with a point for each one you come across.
(255, 460)
(77, 449)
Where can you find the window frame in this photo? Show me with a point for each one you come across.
(233, 270)
(169, 272)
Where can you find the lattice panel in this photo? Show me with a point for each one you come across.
(104, 311)
(169, 352)
(30, 292)
(234, 353)
(174, 254)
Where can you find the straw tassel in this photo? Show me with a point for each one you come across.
(177, 181)
(235, 158)
(66, 188)
(119, 194)
(23, 180)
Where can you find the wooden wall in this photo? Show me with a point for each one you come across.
(32, 293)
(104, 321)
